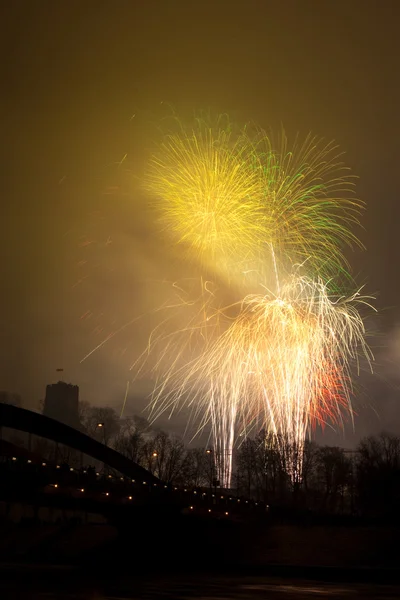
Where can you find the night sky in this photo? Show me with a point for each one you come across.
(86, 82)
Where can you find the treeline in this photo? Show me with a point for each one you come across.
(364, 481)
(164, 455)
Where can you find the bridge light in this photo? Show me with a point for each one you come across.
(129, 497)
(227, 513)
(107, 494)
(191, 507)
(82, 490)
(55, 485)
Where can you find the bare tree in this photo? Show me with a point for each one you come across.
(310, 455)
(194, 471)
(130, 441)
(100, 422)
(378, 474)
(333, 472)
(164, 456)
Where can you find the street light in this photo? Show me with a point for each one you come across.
(213, 480)
(153, 463)
(102, 426)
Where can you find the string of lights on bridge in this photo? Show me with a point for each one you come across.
(192, 507)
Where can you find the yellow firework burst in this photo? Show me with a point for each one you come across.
(231, 195)
(208, 193)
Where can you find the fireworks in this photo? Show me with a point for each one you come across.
(281, 363)
(261, 214)
(308, 203)
(267, 225)
(209, 194)
(230, 195)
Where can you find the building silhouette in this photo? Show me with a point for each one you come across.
(62, 403)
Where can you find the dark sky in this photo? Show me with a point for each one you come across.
(74, 73)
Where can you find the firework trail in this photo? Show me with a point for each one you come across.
(230, 195)
(281, 363)
(308, 203)
(250, 212)
(267, 224)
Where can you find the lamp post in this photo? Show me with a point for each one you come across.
(213, 478)
(102, 427)
(154, 455)
(209, 452)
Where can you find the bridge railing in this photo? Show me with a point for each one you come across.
(21, 478)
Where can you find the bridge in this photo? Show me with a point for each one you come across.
(29, 479)
(45, 427)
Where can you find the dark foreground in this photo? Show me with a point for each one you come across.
(182, 558)
(64, 583)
